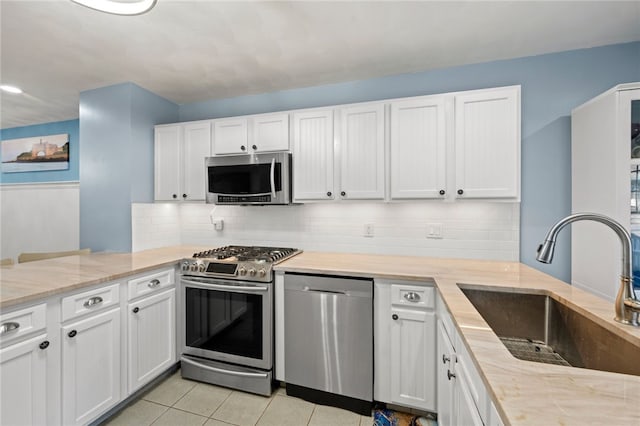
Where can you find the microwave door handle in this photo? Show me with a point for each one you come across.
(273, 177)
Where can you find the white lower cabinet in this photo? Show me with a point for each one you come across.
(445, 360)
(456, 405)
(23, 382)
(151, 336)
(405, 338)
(462, 397)
(90, 366)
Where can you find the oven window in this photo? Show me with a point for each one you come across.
(224, 322)
(244, 179)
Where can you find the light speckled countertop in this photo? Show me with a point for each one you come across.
(32, 281)
(524, 392)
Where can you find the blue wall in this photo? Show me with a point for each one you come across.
(552, 85)
(116, 132)
(71, 174)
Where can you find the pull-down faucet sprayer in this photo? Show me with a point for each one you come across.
(627, 305)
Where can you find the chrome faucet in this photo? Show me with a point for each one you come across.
(627, 305)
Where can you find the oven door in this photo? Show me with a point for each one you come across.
(229, 321)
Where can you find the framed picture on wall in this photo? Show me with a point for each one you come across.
(40, 153)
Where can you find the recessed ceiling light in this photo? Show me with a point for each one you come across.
(10, 89)
(136, 7)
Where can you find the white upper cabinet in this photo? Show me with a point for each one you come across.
(362, 171)
(168, 144)
(197, 142)
(180, 150)
(313, 155)
(258, 133)
(230, 135)
(487, 143)
(418, 148)
(270, 132)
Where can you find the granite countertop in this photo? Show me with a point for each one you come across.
(524, 392)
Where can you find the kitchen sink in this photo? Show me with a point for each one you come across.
(536, 327)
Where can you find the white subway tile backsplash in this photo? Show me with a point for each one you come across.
(471, 229)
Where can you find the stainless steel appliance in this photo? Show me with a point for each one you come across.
(226, 316)
(249, 179)
(329, 340)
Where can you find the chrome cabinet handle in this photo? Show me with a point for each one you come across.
(450, 375)
(8, 326)
(90, 303)
(412, 297)
(153, 283)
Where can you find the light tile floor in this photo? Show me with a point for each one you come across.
(177, 401)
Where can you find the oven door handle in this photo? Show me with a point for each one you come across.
(227, 287)
(273, 177)
(220, 370)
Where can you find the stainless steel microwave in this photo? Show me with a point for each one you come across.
(246, 179)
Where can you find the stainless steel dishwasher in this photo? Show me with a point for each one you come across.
(329, 340)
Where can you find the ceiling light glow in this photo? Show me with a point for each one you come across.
(119, 7)
(10, 89)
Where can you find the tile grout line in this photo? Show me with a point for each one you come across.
(221, 404)
(265, 408)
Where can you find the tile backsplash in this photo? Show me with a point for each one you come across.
(470, 229)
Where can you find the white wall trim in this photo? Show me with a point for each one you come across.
(39, 185)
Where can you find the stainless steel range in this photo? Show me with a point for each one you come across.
(226, 314)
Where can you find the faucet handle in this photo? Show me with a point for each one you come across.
(632, 304)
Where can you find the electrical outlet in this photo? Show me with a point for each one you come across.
(434, 230)
(218, 224)
(369, 230)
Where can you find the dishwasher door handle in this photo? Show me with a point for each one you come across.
(317, 290)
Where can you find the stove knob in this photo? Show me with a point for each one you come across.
(201, 268)
(252, 272)
(193, 267)
(242, 271)
(185, 266)
(262, 272)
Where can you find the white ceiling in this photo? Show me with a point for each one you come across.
(188, 51)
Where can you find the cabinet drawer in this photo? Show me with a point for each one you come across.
(413, 296)
(90, 301)
(20, 323)
(150, 283)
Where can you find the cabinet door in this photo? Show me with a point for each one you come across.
(90, 367)
(167, 158)
(362, 171)
(445, 362)
(487, 143)
(466, 410)
(230, 136)
(23, 383)
(413, 370)
(197, 146)
(152, 343)
(270, 132)
(313, 155)
(418, 148)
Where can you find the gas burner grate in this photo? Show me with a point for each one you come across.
(247, 253)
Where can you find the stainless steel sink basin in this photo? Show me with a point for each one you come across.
(536, 327)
